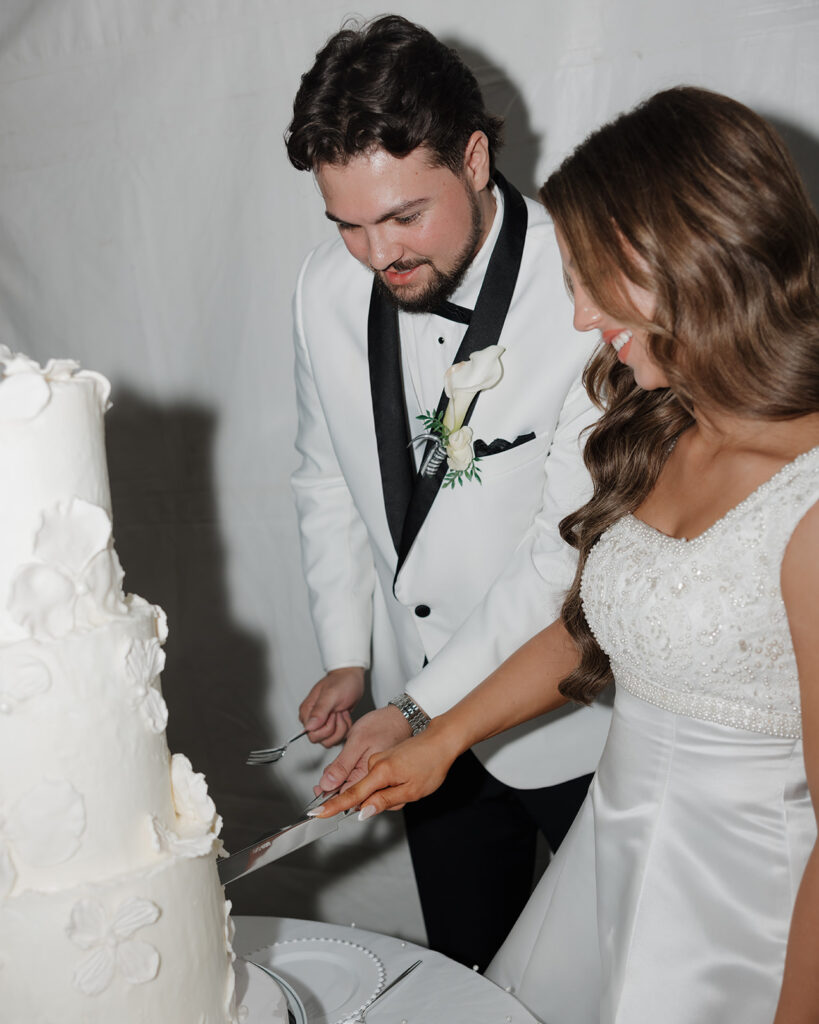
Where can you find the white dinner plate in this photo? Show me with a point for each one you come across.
(295, 1007)
(335, 979)
(260, 999)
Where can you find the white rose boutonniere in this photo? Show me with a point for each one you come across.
(459, 451)
(462, 381)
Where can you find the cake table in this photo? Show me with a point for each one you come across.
(337, 969)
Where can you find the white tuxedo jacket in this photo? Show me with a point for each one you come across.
(487, 568)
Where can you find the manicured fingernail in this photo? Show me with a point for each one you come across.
(314, 813)
(366, 812)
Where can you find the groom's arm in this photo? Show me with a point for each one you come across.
(336, 556)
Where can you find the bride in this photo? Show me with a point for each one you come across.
(687, 891)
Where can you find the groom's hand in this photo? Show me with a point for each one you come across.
(373, 733)
(325, 712)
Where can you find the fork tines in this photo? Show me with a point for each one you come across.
(269, 756)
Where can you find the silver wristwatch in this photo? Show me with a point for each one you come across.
(418, 718)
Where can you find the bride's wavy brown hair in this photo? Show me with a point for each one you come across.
(694, 197)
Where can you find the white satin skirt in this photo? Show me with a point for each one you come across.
(670, 898)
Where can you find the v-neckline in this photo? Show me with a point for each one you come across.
(735, 509)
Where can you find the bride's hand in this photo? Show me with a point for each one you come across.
(414, 768)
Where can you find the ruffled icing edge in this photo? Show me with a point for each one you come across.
(25, 386)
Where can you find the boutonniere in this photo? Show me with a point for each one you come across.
(453, 440)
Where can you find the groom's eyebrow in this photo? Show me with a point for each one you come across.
(396, 211)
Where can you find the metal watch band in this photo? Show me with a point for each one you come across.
(418, 718)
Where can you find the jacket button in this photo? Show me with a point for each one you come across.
(422, 610)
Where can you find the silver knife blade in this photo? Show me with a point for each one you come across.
(277, 844)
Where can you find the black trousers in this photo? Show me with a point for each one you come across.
(473, 846)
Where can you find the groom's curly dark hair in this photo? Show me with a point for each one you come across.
(389, 84)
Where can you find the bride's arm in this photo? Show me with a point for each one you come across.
(799, 999)
(524, 686)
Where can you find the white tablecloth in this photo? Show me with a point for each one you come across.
(440, 991)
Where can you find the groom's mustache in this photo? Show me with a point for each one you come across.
(402, 266)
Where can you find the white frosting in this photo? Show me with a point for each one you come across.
(86, 730)
(107, 844)
(52, 450)
(22, 676)
(63, 930)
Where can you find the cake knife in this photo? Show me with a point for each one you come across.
(278, 844)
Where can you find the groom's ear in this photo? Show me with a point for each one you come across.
(476, 164)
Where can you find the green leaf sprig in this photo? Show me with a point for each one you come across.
(434, 424)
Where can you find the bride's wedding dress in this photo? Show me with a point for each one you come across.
(669, 901)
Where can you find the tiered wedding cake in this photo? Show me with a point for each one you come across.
(110, 904)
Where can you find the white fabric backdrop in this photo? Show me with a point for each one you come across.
(151, 227)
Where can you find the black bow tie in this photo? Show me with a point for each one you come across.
(460, 314)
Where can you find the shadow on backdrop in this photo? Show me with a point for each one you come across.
(518, 158)
(217, 674)
(804, 148)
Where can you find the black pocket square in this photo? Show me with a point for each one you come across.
(482, 449)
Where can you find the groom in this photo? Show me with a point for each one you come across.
(434, 578)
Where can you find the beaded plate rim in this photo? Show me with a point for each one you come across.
(303, 939)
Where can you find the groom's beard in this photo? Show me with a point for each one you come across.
(441, 284)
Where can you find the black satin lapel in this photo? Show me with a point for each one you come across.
(484, 329)
(389, 411)
(501, 277)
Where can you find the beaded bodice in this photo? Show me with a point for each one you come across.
(699, 627)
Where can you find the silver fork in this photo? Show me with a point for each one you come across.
(321, 798)
(270, 755)
(360, 1017)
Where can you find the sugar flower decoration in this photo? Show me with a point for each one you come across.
(197, 824)
(43, 828)
(112, 947)
(143, 664)
(76, 580)
(23, 396)
(160, 624)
